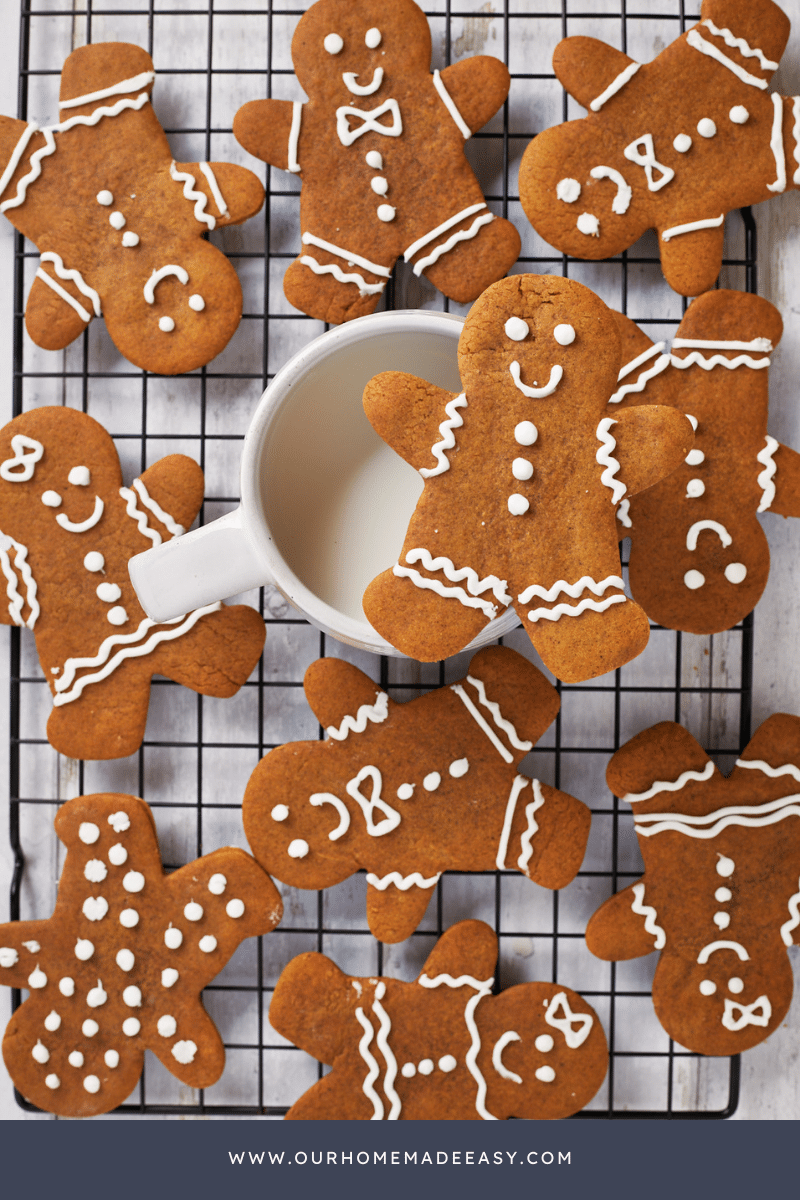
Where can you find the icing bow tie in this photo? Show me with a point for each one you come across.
(369, 122)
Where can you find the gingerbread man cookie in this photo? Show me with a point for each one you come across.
(720, 894)
(119, 966)
(379, 149)
(523, 473)
(699, 559)
(672, 145)
(442, 1048)
(67, 530)
(119, 223)
(411, 790)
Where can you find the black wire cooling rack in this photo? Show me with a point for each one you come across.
(198, 752)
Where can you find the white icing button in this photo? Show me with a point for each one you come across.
(66, 986)
(97, 996)
(707, 987)
(706, 127)
(739, 114)
(408, 1070)
(117, 221)
(694, 488)
(564, 335)
(375, 160)
(426, 1066)
(516, 329)
(111, 1059)
(405, 791)
(75, 1059)
(545, 1074)
(130, 239)
(379, 185)
(40, 1053)
(129, 917)
(193, 911)
(83, 949)
(217, 884)
(167, 1026)
(94, 561)
(52, 1021)
(89, 1028)
(735, 572)
(568, 190)
(8, 956)
(235, 909)
(208, 944)
(526, 433)
(722, 895)
(166, 324)
(172, 938)
(544, 1043)
(333, 43)
(95, 870)
(184, 1052)
(37, 978)
(386, 212)
(298, 848)
(736, 985)
(33, 946)
(131, 1026)
(682, 143)
(447, 1063)
(694, 580)
(132, 996)
(373, 38)
(694, 458)
(95, 908)
(518, 505)
(133, 881)
(88, 833)
(169, 976)
(119, 821)
(588, 223)
(117, 855)
(279, 813)
(117, 615)
(522, 469)
(459, 768)
(105, 198)
(196, 303)
(725, 866)
(109, 592)
(125, 960)
(432, 781)
(722, 920)
(51, 499)
(79, 476)
(53, 1082)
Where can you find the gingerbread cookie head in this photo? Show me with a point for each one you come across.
(119, 223)
(362, 42)
(411, 790)
(673, 144)
(443, 1047)
(120, 965)
(719, 898)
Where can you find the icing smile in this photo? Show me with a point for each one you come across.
(81, 526)
(350, 82)
(556, 374)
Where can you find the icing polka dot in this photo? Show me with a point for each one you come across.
(375, 160)
(725, 866)
(37, 978)
(518, 505)
(682, 143)
(544, 1043)
(108, 592)
(40, 1053)
(8, 956)
(373, 38)
(736, 985)
(459, 768)
(426, 1066)
(522, 469)
(173, 938)
(564, 335)
(117, 220)
(111, 1059)
(208, 944)
(694, 489)
(75, 1059)
(722, 920)
(90, 1028)
(169, 976)
(66, 986)
(117, 855)
(79, 477)
(184, 1052)
(707, 987)
(447, 1063)
(84, 949)
(166, 324)
(280, 812)
(125, 960)
(432, 781)
(333, 43)
(706, 127)
(51, 499)
(694, 458)
(119, 821)
(694, 580)
(52, 1022)
(298, 848)
(235, 909)
(95, 908)
(130, 239)
(386, 212)
(735, 572)
(545, 1074)
(588, 223)
(516, 329)
(217, 884)
(405, 791)
(379, 185)
(739, 114)
(97, 996)
(132, 996)
(53, 1082)
(117, 616)
(94, 561)
(131, 1026)
(526, 433)
(568, 190)
(105, 198)
(167, 1026)
(408, 1070)
(129, 917)
(722, 895)
(95, 870)
(133, 881)
(88, 833)
(196, 303)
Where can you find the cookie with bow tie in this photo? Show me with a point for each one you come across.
(119, 966)
(671, 145)
(720, 894)
(68, 527)
(379, 151)
(118, 223)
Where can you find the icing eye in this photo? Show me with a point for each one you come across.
(280, 812)
(568, 190)
(516, 329)
(333, 43)
(735, 985)
(706, 127)
(51, 499)
(739, 114)
(564, 335)
(682, 143)
(196, 303)
(373, 38)
(298, 848)
(735, 572)
(405, 791)
(79, 476)
(707, 987)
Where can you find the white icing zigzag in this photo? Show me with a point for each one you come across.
(16, 601)
(697, 42)
(561, 587)
(527, 837)
(649, 913)
(454, 421)
(68, 273)
(374, 1069)
(718, 360)
(377, 713)
(605, 459)
(161, 514)
(139, 517)
(455, 575)
(660, 365)
(401, 882)
(753, 816)
(741, 45)
(499, 719)
(664, 786)
(482, 989)
(794, 919)
(757, 764)
(364, 288)
(385, 1049)
(765, 478)
(191, 193)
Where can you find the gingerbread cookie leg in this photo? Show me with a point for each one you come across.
(334, 287)
(56, 312)
(216, 656)
(471, 265)
(108, 719)
(590, 644)
(420, 622)
(394, 911)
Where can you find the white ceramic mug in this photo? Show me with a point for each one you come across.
(325, 502)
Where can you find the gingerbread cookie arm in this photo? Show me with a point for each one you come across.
(171, 491)
(394, 913)
(269, 130)
(786, 482)
(417, 419)
(659, 754)
(555, 835)
(477, 86)
(312, 1006)
(55, 311)
(692, 258)
(625, 927)
(651, 441)
(343, 699)
(590, 70)
(234, 192)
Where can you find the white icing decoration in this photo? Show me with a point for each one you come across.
(408, 1070)
(432, 781)
(217, 195)
(532, 827)
(722, 920)
(167, 1026)
(64, 294)
(722, 895)
(105, 198)
(516, 329)
(367, 89)
(111, 1059)
(516, 787)
(497, 1055)
(499, 719)
(133, 881)
(379, 185)
(131, 1026)
(574, 610)
(184, 1052)
(518, 505)
(699, 526)
(81, 526)
(76, 277)
(448, 441)
(66, 986)
(377, 713)
(649, 913)
(622, 514)
(320, 798)
(375, 160)
(333, 43)
(51, 499)
(125, 960)
(691, 226)
(694, 489)
(193, 911)
(759, 344)
(119, 822)
(525, 433)
(694, 580)
(191, 192)
(235, 909)
(53, 1082)
(796, 136)
(162, 273)
(792, 923)
(84, 949)
(742, 46)
(207, 944)
(405, 791)
(383, 1044)
(298, 848)
(372, 38)
(544, 1043)
(116, 89)
(588, 224)
(88, 833)
(605, 458)
(79, 476)
(522, 469)
(682, 143)
(459, 768)
(117, 220)
(647, 158)
(45, 151)
(564, 334)
(52, 1021)
(169, 977)
(545, 1074)
(455, 574)
(427, 238)
(661, 365)
(96, 996)
(32, 946)
(461, 235)
(129, 918)
(481, 989)
(16, 601)
(27, 462)
(95, 908)
(161, 514)
(561, 587)
(621, 202)
(573, 1037)
(351, 259)
(568, 190)
(196, 303)
(450, 105)
(364, 288)
(707, 987)
(447, 1063)
(680, 782)
(390, 820)
(616, 85)
(694, 39)
(706, 127)
(373, 1068)
(132, 996)
(776, 145)
(386, 212)
(766, 477)
(712, 947)
(40, 1052)
(117, 855)
(217, 884)
(129, 239)
(556, 375)
(75, 1059)
(173, 938)
(280, 812)
(739, 114)
(736, 985)
(166, 324)
(748, 1014)
(694, 458)
(94, 561)
(369, 122)
(749, 815)
(401, 882)
(108, 592)
(725, 866)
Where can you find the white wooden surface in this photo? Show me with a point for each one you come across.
(770, 1076)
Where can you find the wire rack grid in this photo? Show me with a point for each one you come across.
(198, 752)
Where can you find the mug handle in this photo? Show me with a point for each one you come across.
(187, 572)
